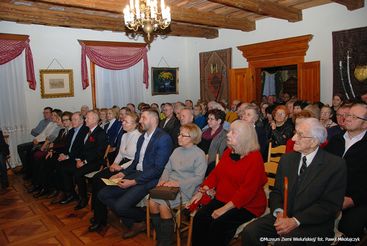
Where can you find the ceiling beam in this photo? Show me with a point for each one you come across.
(351, 4)
(51, 15)
(265, 7)
(178, 14)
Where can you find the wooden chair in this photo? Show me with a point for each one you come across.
(182, 225)
(271, 165)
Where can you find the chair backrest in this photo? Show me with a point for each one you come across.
(271, 165)
(275, 153)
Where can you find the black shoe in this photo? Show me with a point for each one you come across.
(82, 204)
(67, 199)
(53, 194)
(34, 188)
(92, 220)
(42, 192)
(96, 227)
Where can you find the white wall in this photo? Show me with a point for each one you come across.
(319, 21)
(61, 43)
(48, 43)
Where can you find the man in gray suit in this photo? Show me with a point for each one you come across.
(317, 183)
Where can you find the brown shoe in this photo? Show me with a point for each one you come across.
(135, 230)
(58, 198)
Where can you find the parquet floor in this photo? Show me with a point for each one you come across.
(25, 220)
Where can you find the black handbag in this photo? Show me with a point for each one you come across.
(164, 192)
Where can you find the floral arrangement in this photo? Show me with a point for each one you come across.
(165, 76)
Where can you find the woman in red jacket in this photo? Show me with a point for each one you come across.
(238, 181)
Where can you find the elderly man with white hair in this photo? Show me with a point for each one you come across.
(316, 188)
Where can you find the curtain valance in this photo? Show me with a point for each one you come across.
(10, 49)
(113, 58)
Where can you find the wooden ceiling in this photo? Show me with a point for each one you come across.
(190, 18)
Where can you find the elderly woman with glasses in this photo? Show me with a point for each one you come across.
(281, 128)
(185, 169)
(238, 181)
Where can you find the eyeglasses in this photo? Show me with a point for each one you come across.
(65, 119)
(340, 115)
(300, 135)
(354, 117)
(184, 136)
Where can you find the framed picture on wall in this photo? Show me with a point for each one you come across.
(164, 80)
(56, 83)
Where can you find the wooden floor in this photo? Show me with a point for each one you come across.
(25, 220)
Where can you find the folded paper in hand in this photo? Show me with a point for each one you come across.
(111, 182)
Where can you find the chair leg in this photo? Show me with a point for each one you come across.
(148, 219)
(178, 229)
(189, 235)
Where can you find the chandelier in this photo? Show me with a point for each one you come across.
(147, 15)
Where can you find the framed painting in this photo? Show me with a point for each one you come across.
(56, 83)
(164, 80)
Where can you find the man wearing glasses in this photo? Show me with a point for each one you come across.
(316, 186)
(352, 146)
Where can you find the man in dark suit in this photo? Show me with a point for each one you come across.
(153, 150)
(352, 146)
(87, 160)
(317, 182)
(66, 157)
(170, 124)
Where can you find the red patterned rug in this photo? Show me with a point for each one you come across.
(214, 65)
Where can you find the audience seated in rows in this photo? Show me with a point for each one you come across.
(41, 171)
(67, 157)
(153, 150)
(48, 134)
(60, 175)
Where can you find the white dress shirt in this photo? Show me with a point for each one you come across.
(350, 141)
(147, 138)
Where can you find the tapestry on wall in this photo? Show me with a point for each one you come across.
(350, 62)
(214, 67)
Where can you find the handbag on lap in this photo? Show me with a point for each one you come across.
(164, 192)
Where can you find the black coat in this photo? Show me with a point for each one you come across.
(316, 199)
(356, 159)
(77, 146)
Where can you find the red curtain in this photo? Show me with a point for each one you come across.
(114, 58)
(10, 49)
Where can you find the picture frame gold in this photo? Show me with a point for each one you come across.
(56, 83)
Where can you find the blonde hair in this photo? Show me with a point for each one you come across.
(248, 138)
(114, 112)
(194, 132)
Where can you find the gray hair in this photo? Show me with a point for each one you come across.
(317, 130)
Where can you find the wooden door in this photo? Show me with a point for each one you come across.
(309, 81)
(241, 85)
